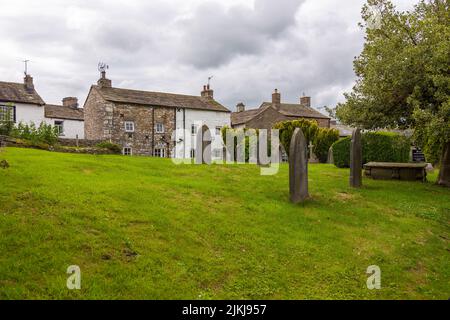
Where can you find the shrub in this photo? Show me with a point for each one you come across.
(287, 128)
(246, 138)
(324, 139)
(341, 152)
(44, 134)
(115, 148)
(376, 146)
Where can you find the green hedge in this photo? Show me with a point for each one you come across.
(376, 146)
(323, 141)
(287, 128)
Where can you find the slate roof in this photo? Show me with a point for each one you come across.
(16, 92)
(160, 99)
(297, 110)
(61, 112)
(287, 109)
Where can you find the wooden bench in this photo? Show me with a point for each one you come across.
(396, 171)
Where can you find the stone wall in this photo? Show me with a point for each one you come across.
(144, 139)
(81, 142)
(94, 116)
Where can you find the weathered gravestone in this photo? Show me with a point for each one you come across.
(330, 157)
(312, 156)
(356, 160)
(203, 146)
(298, 167)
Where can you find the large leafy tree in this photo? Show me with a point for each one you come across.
(403, 76)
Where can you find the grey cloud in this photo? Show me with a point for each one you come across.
(295, 46)
(215, 35)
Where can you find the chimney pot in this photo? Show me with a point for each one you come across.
(240, 107)
(276, 99)
(305, 101)
(28, 82)
(104, 82)
(71, 102)
(207, 92)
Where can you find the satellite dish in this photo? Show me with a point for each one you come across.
(102, 67)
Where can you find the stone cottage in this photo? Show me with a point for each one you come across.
(275, 111)
(143, 122)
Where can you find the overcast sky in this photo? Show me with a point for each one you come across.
(250, 47)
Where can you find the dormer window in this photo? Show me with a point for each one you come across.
(129, 126)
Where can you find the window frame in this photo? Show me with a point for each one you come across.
(4, 109)
(126, 123)
(194, 129)
(161, 152)
(162, 127)
(125, 153)
(60, 126)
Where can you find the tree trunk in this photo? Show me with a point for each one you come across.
(444, 173)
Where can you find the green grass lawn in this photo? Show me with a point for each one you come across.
(148, 229)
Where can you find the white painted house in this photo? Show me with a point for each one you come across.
(189, 121)
(68, 117)
(21, 103)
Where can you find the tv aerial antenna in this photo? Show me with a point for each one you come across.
(26, 66)
(209, 80)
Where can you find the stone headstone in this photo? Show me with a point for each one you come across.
(312, 156)
(203, 146)
(330, 157)
(298, 167)
(356, 160)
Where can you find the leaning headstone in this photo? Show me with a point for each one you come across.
(330, 157)
(203, 146)
(356, 160)
(298, 167)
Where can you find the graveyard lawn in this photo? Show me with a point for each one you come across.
(147, 228)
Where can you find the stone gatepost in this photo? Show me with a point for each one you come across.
(298, 167)
(356, 160)
(203, 146)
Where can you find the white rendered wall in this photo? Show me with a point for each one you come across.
(29, 113)
(212, 119)
(72, 128)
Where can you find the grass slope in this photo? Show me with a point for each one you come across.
(146, 228)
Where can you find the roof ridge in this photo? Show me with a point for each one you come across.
(158, 92)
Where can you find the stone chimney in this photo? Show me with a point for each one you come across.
(28, 82)
(71, 102)
(276, 99)
(305, 101)
(207, 92)
(240, 107)
(103, 82)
